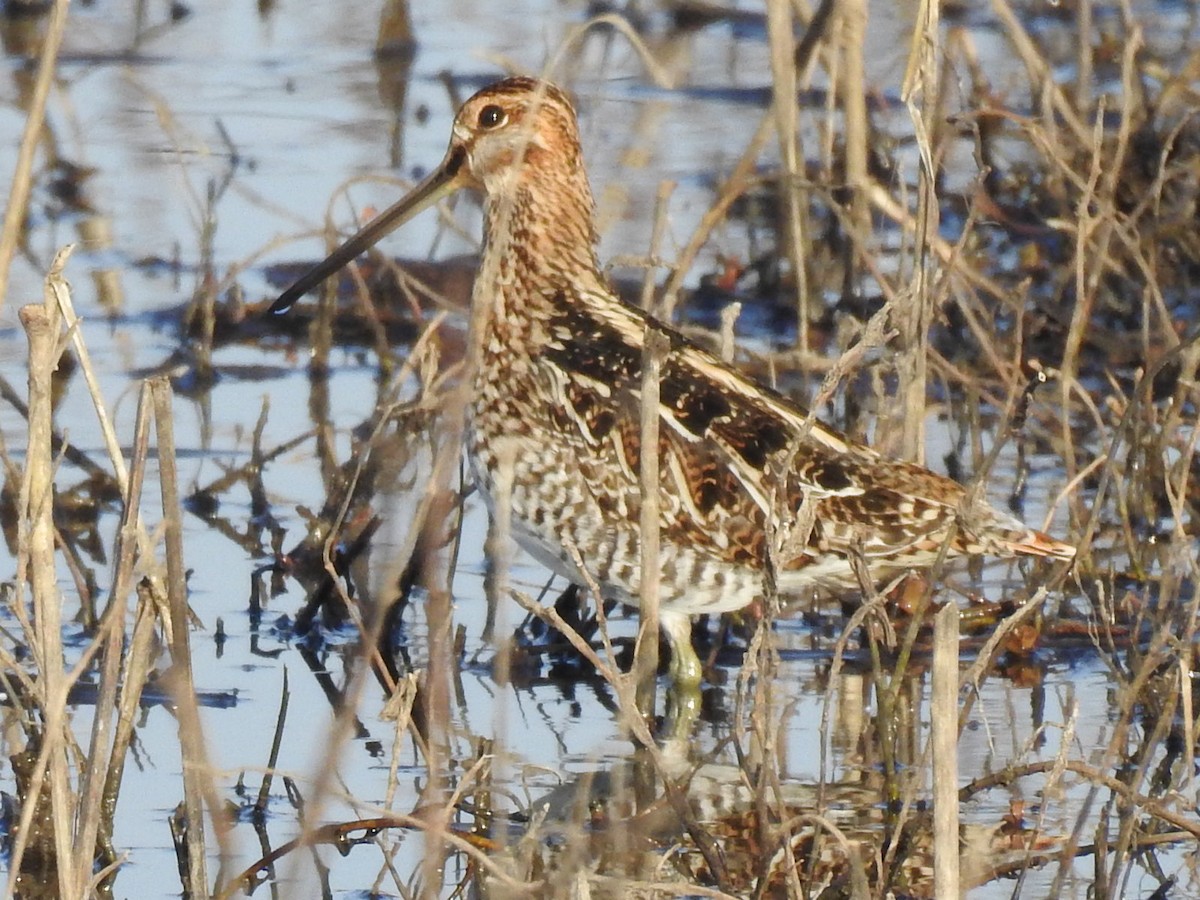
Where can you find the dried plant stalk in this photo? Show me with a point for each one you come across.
(783, 81)
(36, 567)
(646, 665)
(921, 84)
(31, 138)
(197, 782)
(943, 714)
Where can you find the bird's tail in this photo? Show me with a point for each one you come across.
(1035, 543)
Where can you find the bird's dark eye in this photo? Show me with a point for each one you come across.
(492, 116)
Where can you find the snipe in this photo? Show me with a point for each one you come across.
(554, 419)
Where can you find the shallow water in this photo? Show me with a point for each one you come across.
(306, 108)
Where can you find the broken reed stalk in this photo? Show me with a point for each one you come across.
(31, 139)
(197, 782)
(36, 567)
(62, 295)
(264, 789)
(943, 713)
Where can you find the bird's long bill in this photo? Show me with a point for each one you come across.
(442, 181)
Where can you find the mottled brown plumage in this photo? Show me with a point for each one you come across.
(554, 423)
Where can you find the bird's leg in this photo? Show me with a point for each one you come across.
(685, 666)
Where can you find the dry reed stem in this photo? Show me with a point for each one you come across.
(439, 757)
(89, 810)
(625, 691)
(1124, 433)
(31, 136)
(62, 297)
(1051, 787)
(943, 716)
(1162, 694)
(36, 566)
(852, 86)
(875, 606)
(920, 84)
(1083, 56)
(138, 662)
(827, 126)
(949, 256)
(370, 317)
(548, 614)
(185, 145)
(654, 353)
(198, 786)
(783, 106)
